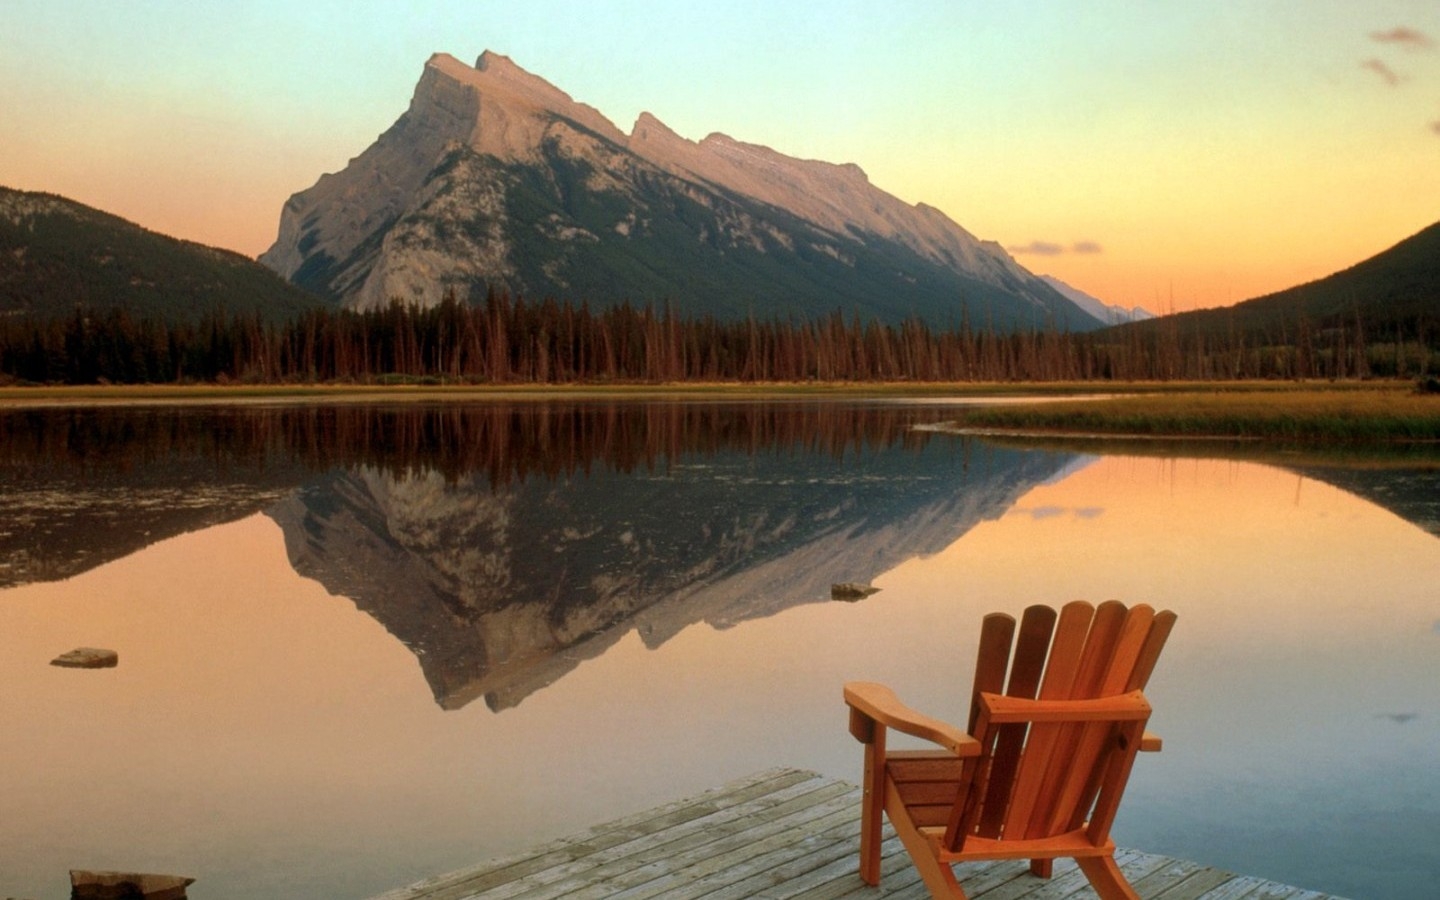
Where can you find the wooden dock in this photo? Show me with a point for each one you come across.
(786, 834)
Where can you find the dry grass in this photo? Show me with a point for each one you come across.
(1348, 414)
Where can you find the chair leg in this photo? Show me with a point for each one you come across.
(1106, 878)
(871, 811)
(1042, 868)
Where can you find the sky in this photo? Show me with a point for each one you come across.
(1170, 155)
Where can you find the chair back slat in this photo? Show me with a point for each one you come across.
(1031, 650)
(1066, 651)
(1037, 626)
(1126, 651)
(996, 632)
(1100, 646)
(1155, 642)
(992, 661)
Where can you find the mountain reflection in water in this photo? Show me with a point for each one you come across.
(501, 589)
(505, 543)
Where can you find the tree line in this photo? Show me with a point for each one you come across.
(512, 341)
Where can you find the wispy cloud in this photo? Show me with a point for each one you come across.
(1041, 513)
(1379, 68)
(1039, 248)
(1051, 248)
(1404, 37)
(1435, 126)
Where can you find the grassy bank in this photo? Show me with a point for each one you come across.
(1348, 413)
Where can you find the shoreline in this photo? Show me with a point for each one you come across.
(1311, 413)
(102, 394)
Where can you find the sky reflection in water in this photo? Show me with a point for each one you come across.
(269, 738)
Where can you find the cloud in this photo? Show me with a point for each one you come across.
(1051, 248)
(1404, 37)
(1041, 513)
(1039, 248)
(1435, 126)
(1384, 71)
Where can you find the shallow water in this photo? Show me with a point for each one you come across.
(387, 648)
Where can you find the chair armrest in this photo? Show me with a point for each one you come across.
(879, 705)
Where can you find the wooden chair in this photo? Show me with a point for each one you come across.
(1049, 748)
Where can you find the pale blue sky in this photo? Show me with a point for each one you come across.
(1211, 150)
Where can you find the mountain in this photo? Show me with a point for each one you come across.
(1109, 313)
(495, 179)
(57, 255)
(1395, 292)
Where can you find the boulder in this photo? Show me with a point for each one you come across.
(86, 885)
(87, 658)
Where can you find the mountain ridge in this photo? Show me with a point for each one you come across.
(494, 178)
(1393, 293)
(58, 255)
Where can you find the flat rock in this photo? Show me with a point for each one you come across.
(849, 590)
(87, 885)
(87, 658)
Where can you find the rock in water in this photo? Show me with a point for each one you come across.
(87, 658)
(849, 590)
(86, 885)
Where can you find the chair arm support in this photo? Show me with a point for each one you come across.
(1150, 743)
(1122, 707)
(878, 704)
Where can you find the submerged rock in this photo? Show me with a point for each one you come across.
(850, 590)
(87, 658)
(86, 885)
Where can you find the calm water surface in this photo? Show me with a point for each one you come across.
(359, 646)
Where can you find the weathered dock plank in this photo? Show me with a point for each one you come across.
(785, 834)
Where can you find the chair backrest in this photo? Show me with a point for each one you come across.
(1036, 780)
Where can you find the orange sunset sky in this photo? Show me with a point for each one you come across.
(1168, 155)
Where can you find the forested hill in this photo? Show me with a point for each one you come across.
(1394, 295)
(57, 255)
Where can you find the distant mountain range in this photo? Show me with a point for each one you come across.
(1108, 313)
(57, 256)
(495, 179)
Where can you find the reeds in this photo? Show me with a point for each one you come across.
(1354, 414)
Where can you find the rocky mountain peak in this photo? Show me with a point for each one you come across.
(494, 177)
(649, 128)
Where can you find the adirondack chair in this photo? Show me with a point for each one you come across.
(1040, 770)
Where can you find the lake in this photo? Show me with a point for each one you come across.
(360, 645)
